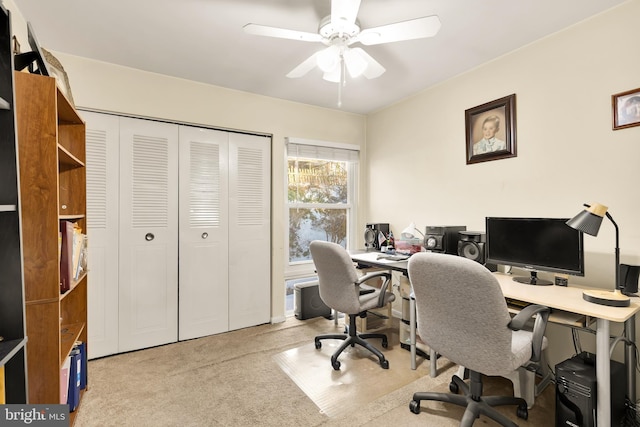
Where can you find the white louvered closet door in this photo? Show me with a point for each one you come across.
(148, 286)
(204, 233)
(249, 230)
(102, 142)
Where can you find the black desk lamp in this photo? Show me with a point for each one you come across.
(588, 221)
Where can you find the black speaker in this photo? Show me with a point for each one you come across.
(308, 302)
(471, 245)
(442, 239)
(372, 232)
(629, 278)
(576, 392)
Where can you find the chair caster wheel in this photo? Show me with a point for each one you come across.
(336, 365)
(453, 387)
(384, 364)
(318, 345)
(414, 406)
(385, 344)
(522, 412)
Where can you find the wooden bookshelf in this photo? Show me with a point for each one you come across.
(51, 141)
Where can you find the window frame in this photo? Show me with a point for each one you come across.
(301, 269)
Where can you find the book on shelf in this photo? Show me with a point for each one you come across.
(64, 380)
(81, 264)
(66, 255)
(77, 248)
(73, 256)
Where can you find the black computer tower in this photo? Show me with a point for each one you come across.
(576, 392)
(308, 303)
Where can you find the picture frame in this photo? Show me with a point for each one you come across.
(499, 142)
(625, 108)
(57, 71)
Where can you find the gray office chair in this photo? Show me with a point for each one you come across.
(462, 315)
(344, 291)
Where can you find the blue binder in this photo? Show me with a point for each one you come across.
(83, 364)
(73, 397)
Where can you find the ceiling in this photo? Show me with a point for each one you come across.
(203, 40)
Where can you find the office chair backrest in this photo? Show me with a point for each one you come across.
(461, 311)
(336, 277)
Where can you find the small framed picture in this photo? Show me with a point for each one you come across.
(491, 130)
(626, 109)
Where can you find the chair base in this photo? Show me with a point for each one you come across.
(474, 402)
(353, 338)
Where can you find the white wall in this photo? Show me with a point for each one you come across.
(108, 87)
(567, 152)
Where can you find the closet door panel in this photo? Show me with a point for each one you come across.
(148, 285)
(102, 157)
(249, 230)
(204, 242)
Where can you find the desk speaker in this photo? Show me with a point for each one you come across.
(442, 239)
(471, 245)
(371, 234)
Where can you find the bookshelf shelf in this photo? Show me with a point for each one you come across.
(68, 160)
(53, 190)
(7, 208)
(8, 349)
(4, 105)
(71, 217)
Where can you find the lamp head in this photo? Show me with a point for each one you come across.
(589, 220)
(408, 233)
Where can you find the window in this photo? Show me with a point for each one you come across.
(321, 190)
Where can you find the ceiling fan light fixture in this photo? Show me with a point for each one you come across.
(356, 64)
(333, 76)
(328, 59)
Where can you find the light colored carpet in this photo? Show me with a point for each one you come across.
(236, 379)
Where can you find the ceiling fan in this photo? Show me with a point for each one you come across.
(339, 31)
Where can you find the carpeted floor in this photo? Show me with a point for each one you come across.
(257, 377)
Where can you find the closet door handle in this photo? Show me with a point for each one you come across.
(149, 237)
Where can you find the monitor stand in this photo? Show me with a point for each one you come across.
(533, 280)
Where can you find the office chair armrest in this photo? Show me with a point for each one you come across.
(539, 326)
(383, 288)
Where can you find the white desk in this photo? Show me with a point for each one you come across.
(567, 299)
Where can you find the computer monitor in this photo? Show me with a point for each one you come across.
(535, 244)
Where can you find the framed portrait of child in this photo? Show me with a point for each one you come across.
(491, 130)
(626, 109)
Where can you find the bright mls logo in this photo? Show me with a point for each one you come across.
(34, 415)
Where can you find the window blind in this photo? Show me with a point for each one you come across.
(310, 149)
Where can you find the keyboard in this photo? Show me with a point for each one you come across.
(394, 257)
(516, 303)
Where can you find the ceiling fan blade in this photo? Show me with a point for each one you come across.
(359, 62)
(427, 26)
(282, 33)
(344, 11)
(306, 66)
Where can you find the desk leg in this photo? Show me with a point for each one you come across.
(412, 330)
(603, 373)
(630, 358)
